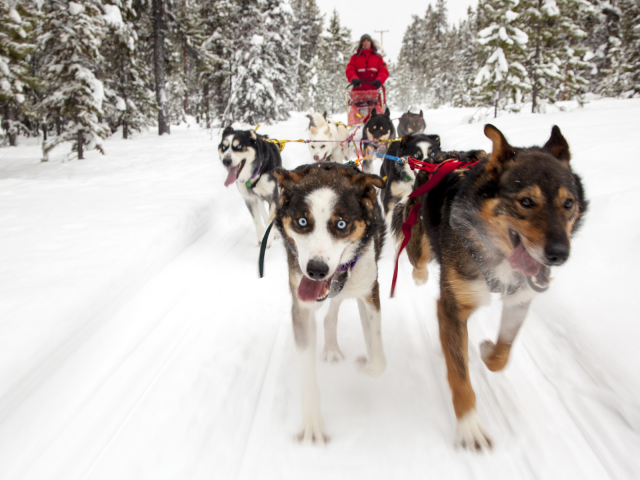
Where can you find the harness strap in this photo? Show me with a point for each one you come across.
(263, 249)
(406, 230)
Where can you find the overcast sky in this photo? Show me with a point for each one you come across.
(393, 15)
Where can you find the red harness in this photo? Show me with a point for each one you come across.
(437, 172)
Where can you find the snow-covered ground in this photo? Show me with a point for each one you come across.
(136, 340)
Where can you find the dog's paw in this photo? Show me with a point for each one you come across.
(312, 431)
(470, 434)
(495, 357)
(332, 354)
(373, 368)
(420, 275)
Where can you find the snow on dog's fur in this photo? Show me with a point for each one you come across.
(332, 227)
(325, 148)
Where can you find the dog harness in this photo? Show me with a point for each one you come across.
(250, 183)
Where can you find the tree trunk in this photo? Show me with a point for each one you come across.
(125, 130)
(80, 145)
(205, 100)
(8, 124)
(58, 125)
(44, 131)
(158, 64)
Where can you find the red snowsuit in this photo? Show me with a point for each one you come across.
(367, 66)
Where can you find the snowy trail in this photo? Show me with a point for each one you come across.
(196, 375)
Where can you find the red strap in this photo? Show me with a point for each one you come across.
(441, 171)
(406, 229)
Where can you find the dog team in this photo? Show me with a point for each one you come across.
(496, 225)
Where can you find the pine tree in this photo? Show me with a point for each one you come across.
(406, 85)
(71, 35)
(159, 22)
(306, 31)
(263, 74)
(502, 81)
(630, 33)
(464, 63)
(131, 102)
(609, 53)
(334, 52)
(16, 27)
(554, 50)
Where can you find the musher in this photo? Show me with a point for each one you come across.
(367, 65)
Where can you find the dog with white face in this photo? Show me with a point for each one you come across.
(332, 226)
(325, 139)
(250, 159)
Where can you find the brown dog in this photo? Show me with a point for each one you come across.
(497, 227)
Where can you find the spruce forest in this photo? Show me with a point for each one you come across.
(83, 70)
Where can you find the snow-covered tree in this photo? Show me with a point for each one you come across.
(126, 72)
(334, 52)
(555, 49)
(306, 31)
(406, 87)
(502, 81)
(71, 36)
(630, 34)
(263, 79)
(16, 26)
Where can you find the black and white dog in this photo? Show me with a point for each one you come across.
(411, 123)
(399, 178)
(378, 127)
(332, 227)
(250, 161)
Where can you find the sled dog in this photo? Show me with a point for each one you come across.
(378, 127)
(411, 123)
(250, 160)
(399, 178)
(497, 227)
(326, 136)
(331, 224)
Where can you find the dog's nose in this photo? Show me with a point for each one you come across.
(226, 162)
(317, 269)
(556, 253)
(316, 157)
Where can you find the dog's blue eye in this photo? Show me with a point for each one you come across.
(341, 225)
(223, 148)
(568, 204)
(302, 222)
(526, 202)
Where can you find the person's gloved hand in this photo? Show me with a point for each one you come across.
(377, 83)
(355, 82)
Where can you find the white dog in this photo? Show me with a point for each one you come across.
(326, 138)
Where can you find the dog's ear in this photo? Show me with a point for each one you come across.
(435, 138)
(365, 183)
(502, 151)
(313, 130)
(421, 114)
(254, 135)
(387, 112)
(325, 115)
(227, 131)
(327, 130)
(311, 122)
(557, 145)
(286, 177)
(405, 140)
(373, 113)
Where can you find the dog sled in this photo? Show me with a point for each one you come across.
(360, 103)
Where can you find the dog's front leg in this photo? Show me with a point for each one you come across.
(459, 297)
(369, 307)
(304, 331)
(254, 210)
(496, 355)
(331, 352)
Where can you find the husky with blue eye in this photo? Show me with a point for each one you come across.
(332, 227)
(249, 159)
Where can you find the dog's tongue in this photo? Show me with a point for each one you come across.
(309, 290)
(521, 260)
(231, 177)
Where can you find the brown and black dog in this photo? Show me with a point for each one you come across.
(332, 227)
(497, 227)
